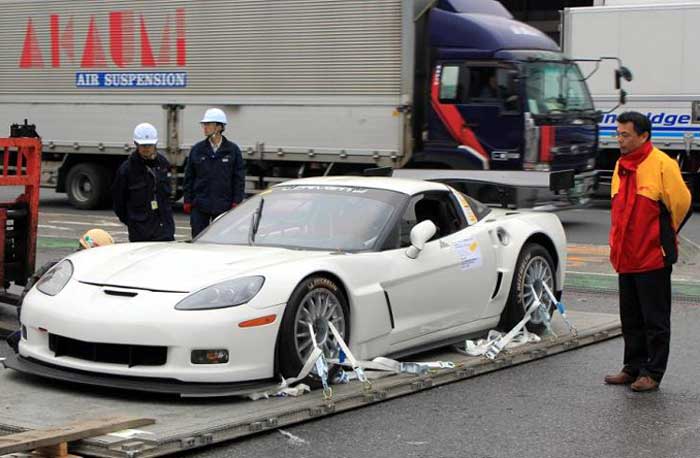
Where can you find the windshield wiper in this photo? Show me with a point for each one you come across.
(255, 222)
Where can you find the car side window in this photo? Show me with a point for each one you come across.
(439, 207)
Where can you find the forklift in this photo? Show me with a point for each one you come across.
(21, 175)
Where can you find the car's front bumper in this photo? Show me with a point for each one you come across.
(161, 386)
(85, 313)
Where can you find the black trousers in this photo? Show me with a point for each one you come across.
(645, 312)
(199, 220)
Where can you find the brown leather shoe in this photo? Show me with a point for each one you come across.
(623, 378)
(645, 383)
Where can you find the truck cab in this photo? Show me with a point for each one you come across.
(497, 94)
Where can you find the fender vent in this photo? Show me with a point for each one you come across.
(499, 280)
(391, 312)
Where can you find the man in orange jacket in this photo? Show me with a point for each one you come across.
(650, 203)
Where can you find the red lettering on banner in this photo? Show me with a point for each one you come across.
(147, 59)
(180, 40)
(164, 53)
(122, 42)
(31, 54)
(60, 41)
(93, 54)
(121, 37)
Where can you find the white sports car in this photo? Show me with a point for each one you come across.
(398, 266)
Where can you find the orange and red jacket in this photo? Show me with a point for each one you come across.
(644, 237)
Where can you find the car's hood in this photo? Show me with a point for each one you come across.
(176, 266)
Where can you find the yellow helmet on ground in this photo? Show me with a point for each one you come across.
(95, 237)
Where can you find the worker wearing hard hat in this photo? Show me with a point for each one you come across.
(141, 190)
(214, 174)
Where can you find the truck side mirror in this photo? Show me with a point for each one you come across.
(622, 73)
(623, 96)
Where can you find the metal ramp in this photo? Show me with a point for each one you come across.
(183, 424)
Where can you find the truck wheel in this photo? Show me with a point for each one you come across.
(87, 186)
(317, 300)
(534, 266)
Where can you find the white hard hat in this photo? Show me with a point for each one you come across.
(145, 134)
(214, 115)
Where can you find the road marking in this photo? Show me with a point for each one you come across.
(45, 226)
(86, 223)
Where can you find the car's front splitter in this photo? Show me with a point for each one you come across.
(161, 386)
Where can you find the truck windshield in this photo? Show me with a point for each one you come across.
(556, 87)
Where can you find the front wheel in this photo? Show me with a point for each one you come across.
(534, 267)
(316, 301)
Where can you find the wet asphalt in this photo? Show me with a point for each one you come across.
(554, 407)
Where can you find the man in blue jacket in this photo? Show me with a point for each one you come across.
(214, 174)
(141, 190)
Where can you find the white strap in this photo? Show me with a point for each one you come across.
(353, 362)
(561, 309)
(496, 347)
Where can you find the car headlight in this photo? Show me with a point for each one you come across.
(53, 281)
(226, 294)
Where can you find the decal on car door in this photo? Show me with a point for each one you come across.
(469, 253)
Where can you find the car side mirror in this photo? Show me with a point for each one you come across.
(420, 234)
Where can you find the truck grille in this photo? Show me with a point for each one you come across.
(130, 355)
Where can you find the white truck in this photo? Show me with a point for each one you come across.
(310, 87)
(658, 42)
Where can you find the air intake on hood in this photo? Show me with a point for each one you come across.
(112, 292)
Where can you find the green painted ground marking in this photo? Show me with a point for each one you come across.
(609, 283)
(55, 242)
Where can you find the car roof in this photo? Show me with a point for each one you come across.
(402, 185)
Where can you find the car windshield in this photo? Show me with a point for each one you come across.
(314, 217)
(556, 87)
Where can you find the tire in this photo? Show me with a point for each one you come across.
(534, 262)
(88, 186)
(294, 339)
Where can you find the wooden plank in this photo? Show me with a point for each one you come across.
(37, 438)
(60, 450)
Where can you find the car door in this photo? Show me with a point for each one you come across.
(449, 283)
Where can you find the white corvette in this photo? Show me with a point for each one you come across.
(396, 265)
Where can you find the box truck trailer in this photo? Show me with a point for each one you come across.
(657, 41)
(310, 87)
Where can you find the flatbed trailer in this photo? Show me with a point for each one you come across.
(185, 424)
(515, 189)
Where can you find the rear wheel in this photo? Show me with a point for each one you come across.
(534, 267)
(316, 301)
(87, 186)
